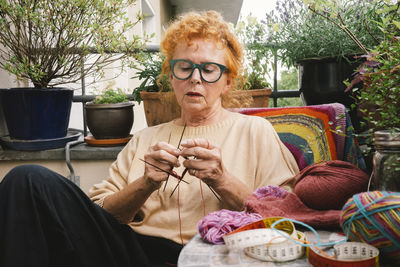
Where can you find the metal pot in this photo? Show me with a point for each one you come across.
(109, 121)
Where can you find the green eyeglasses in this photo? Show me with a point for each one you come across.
(183, 69)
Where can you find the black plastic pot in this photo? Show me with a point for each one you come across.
(109, 121)
(322, 82)
(32, 113)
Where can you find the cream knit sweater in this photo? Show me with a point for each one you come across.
(251, 151)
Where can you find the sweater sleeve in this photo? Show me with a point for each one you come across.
(118, 174)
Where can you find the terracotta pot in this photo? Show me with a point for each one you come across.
(160, 107)
(260, 97)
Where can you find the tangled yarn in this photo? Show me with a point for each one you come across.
(216, 224)
(270, 191)
(329, 184)
(374, 218)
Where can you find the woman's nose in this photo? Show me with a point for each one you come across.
(196, 77)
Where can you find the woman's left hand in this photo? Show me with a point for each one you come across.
(204, 160)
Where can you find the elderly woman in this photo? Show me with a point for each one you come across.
(166, 178)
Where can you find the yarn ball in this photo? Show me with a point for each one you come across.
(270, 191)
(216, 224)
(374, 218)
(329, 184)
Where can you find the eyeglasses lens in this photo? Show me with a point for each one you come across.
(182, 69)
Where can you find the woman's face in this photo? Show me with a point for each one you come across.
(194, 95)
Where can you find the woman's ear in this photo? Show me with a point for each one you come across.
(227, 86)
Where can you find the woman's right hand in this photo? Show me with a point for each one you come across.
(164, 156)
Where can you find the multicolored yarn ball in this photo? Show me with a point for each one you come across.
(216, 224)
(329, 184)
(374, 218)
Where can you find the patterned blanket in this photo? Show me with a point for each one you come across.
(314, 133)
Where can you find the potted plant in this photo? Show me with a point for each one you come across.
(323, 51)
(377, 94)
(258, 54)
(156, 93)
(52, 43)
(380, 69)
(109, 115)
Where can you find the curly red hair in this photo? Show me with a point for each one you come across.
(208, 25)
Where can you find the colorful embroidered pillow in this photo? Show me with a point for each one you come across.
(312, 133)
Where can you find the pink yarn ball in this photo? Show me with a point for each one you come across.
(270, 191)
(216, 224)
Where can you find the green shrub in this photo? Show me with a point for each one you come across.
(54, 42)
(300, 33)
(111, 96)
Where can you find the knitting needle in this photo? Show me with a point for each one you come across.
(169, 172)
(213, 191)
(183, 174)
(166, 180)
(179, 143)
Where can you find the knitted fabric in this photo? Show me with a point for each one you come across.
(290, 206)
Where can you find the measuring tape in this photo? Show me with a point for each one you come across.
(349, 254)
(259, 241)
(277, 251)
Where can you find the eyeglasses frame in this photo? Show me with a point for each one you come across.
(194, 66)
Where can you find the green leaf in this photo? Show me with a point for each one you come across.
(396, 23)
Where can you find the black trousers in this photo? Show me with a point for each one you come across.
(46, 220)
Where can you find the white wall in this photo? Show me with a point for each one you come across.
(90, 172)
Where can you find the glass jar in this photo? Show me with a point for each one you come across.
(386, 161)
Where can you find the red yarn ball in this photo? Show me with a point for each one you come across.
(329, 184)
